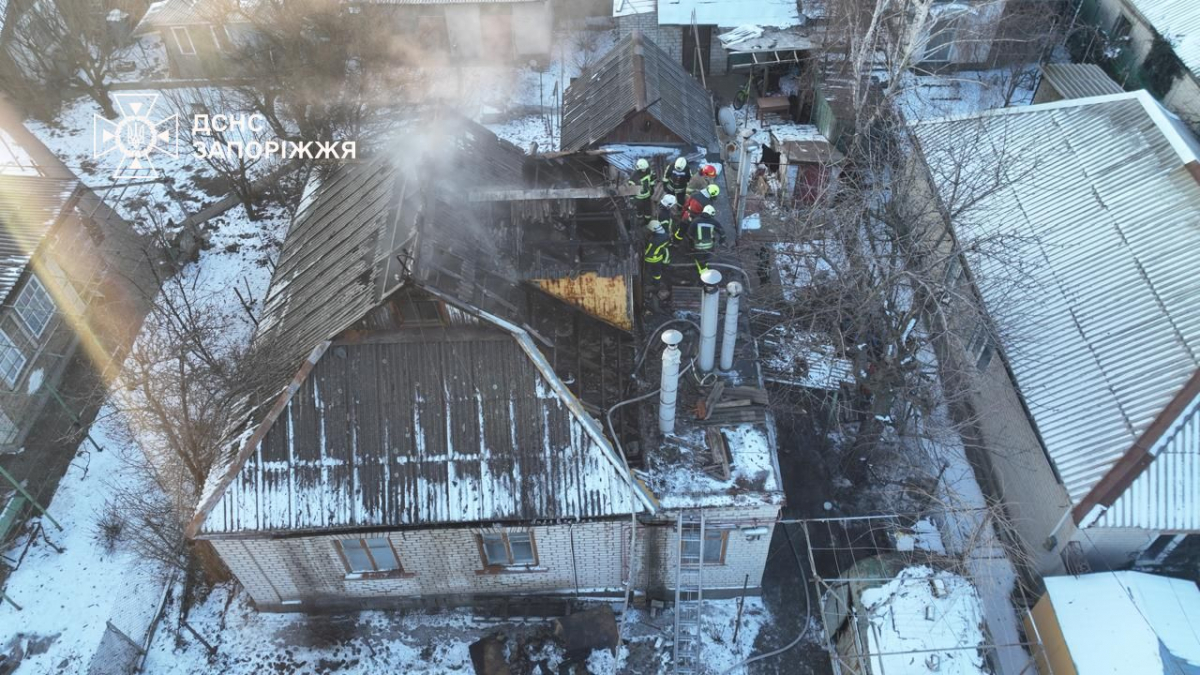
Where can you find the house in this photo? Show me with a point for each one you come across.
(1082, 347)
(199, 36)
(637, 94)
(686, 29)
(454, 422)
(1072, 80)
(73, 275)
(1149, 44)
(1116, 622)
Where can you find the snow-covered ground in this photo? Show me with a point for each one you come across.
(926, 97)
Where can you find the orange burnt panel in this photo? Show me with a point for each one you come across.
(606, 298)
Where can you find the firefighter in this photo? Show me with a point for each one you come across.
(643, 178)
(702, 179)
(658, 251)
(705, 235)
(668, 216)
(698, 200)
(676, 178)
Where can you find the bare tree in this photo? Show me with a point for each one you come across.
(70, 43)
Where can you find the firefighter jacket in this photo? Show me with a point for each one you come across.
(675, 180)
(696, 203)
(645, 182)
(706, 233)
(658, 248)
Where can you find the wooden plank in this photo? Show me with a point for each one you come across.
(553, 193)
(720, 453)
(714, 395)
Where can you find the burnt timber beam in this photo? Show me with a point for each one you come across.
(599, 192)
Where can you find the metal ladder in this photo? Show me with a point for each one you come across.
(689, 590)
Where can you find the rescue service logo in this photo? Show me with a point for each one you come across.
(136, 136)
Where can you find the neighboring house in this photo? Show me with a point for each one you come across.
(687, 29)
(1154, 45)
(1073, 80)
(199, 37)
(961, 34)
(1117, 622)
(69, 274)
(1087, 393)
(637, 93)
(454, 336)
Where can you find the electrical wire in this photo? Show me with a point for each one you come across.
(807, 613)
(650, 340)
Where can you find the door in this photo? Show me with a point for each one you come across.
(694, 50)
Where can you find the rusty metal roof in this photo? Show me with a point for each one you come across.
(1099, 320)
(373, 230)
(424, 432)
(636, 75)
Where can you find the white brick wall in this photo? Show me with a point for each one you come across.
(446, 562)
(670, 39)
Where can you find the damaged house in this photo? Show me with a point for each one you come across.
(456, 425)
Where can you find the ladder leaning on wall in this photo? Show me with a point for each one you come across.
(689, 590)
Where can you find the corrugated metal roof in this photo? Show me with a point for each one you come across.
(604, 97)
(630, 7)
(422, 433)
(370, 229)
(29, 207)
(1100, 322)
(1079, 80)
(730, 13)
(165, 13)
(1179, 21)
(1166, 496)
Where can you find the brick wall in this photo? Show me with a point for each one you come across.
(444, 565)
(670, 39)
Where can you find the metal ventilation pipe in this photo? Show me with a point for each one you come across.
(710, 309)
(668, 390)
(729, 336)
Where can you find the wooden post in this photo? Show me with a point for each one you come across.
(737, 623)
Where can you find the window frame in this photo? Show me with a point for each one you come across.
(505, 537)
(722, 535)
(1122, 27)
(12, 430)
(35, 283)
(375, 573)
(24, 360)
(216, 40)
(175, 31)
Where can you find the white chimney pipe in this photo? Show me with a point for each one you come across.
(710, 308)
(729, 338)
(668, 390)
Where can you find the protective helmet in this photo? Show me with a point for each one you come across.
(668, 201)
(709, 210)
(713, 191)
(655, 226)
(709, 171)
(642, 165)
(681, 164)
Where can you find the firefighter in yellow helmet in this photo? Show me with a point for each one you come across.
(705, 234)
(658, 251)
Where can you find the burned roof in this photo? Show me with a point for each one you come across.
(402, 431)
(446, 428)
(635, 76)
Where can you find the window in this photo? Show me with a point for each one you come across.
(415, 311)
(11, 360)
(714, 548)
(982, 346)
(34, 306)
(8, 430)
(953, 271)
(183, 40)
(369, 555)
(1121, 28)
(216, 40)
(508, 549)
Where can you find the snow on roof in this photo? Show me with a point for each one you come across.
(679, 483)
(912, 627)
(1179, 22)
(729, 13)
(1101, 330)
(1124, 622)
